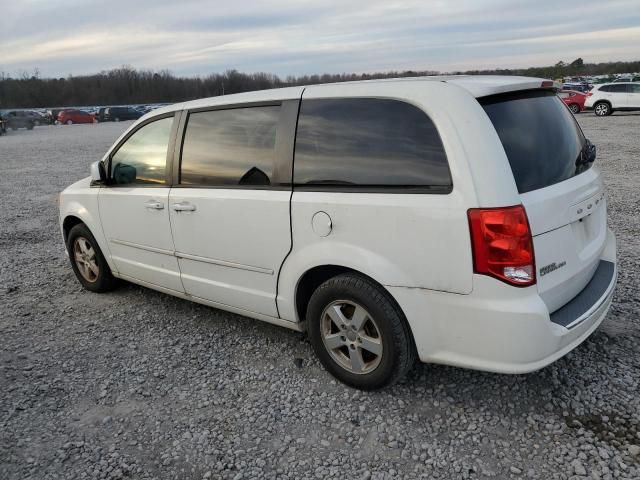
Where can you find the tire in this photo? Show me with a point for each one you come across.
(602, 109)
(69, 122)
(383, 329)
(98, 279)
(575, 108)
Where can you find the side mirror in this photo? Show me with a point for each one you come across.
(98, 173)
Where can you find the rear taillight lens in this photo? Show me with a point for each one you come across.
(502, 244)
(589, 94)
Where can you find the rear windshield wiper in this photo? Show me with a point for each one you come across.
(586, 156)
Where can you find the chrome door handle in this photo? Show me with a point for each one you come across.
(154, 205)
(184, 207)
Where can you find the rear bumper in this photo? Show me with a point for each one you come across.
(504, 329)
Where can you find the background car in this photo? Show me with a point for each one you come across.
(577, 87)
(100, 114)
(115, 114)
(573, 100)
(609, 97)
(69, 117)
(15, 119)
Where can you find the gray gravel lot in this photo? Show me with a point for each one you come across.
(138, 384)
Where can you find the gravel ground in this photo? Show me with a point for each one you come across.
(137, 384)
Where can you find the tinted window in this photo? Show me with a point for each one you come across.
(634, 88)
(622, 88)
(143, 157)
(230, 147)
(368, 142)
(540, 137)
(606, 88)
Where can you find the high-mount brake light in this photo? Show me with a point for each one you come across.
(547, 84)
(502, 244)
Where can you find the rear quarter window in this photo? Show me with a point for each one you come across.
(360, 143)
(540, 137)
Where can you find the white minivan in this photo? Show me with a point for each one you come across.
(459, 220)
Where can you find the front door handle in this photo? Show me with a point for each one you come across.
(154, 205)
(184, 207)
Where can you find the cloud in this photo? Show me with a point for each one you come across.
(195, 37)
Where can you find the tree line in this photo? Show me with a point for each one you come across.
(126, 85)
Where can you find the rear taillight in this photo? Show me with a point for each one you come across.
(589, 94)
(502, 244)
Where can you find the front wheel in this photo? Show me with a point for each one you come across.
(602, 109)
(88, 262)
(358, 332)
(69, 122)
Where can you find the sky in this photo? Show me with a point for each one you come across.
(297, 37)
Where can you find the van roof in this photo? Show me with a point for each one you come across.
(476, 85)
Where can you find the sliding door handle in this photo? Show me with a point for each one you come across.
(154, 205)
(184, 207)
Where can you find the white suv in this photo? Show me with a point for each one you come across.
(607, 98)
(459, 220)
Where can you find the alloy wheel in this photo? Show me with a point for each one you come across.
(602, 109)
(85, 257)
(351, 337)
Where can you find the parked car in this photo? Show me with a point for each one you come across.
(69, 117)
(610, 97)
(115, 114)
(15, 119)
(459, 220)
(573, 100)
(54, 112)
(577, 87)
(100, 114)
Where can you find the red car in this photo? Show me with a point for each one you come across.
(574, 100)
(70, 117)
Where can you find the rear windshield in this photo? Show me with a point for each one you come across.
(540, 136)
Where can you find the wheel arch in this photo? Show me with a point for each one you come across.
(74, 213)
(312, 278)
(608, 102)
(68, 223)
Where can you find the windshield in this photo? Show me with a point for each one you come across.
(540, 136)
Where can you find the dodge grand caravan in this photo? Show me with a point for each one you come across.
(459, 220)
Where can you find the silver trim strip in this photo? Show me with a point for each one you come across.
(195, 258)
(224, 263)
(142, 247)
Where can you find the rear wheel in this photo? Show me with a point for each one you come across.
(574, 108)
(69, 122)
(359, 333)
(88, 262)
(602, 109)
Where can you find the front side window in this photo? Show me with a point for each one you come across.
(230, 147)
(142, 159)
(368, 142)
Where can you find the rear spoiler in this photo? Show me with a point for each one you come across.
(492, 85)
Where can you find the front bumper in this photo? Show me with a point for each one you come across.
(498, 328)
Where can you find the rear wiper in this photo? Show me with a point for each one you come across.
(587, 154)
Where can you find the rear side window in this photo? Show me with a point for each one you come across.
(364, 142)
(230, 147)
(621, 88)
(606, 88)
(540, 137)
